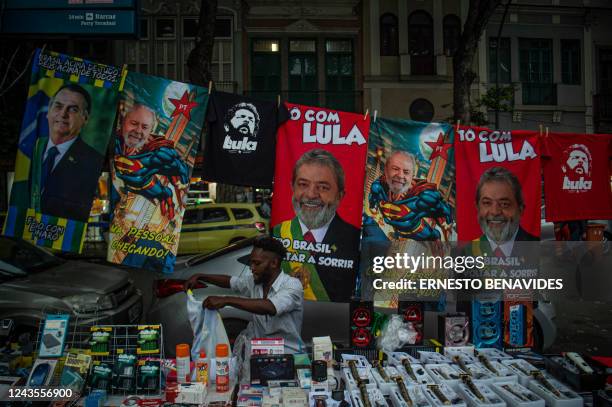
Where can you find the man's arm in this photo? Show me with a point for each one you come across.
(253, 305)
(219, 280)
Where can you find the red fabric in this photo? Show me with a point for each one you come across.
(296, 136)
(498, 252)
(577, 176)
(478, 149)
(309, 237)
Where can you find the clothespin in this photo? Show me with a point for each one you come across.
(278, 100)
(365, 116)
(210, 85)
(541, 129)
(458, 124)
(546, 135)
(375, 114)
(42, 50)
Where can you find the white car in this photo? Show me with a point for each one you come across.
(320, 318)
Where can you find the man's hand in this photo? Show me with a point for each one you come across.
(195, 282)
(214, 302)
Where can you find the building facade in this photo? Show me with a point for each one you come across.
(555, 54)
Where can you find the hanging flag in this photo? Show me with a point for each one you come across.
(65, 131)
(409, 188)
(498, 186)
(241, 139)
(158, 126)
(577, 176)
(409, 203)
(318, 195)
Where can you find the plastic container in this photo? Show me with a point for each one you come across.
(222, 367)
(202, 369)
(182, 363)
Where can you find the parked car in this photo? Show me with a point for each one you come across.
(33, 282)
(210, 227)
(196, 197)
(320, 318)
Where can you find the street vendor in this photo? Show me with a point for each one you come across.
(275, 298)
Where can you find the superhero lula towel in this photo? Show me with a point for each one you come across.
(318, 187)
(66, 126)
(157, 131)
(409, 188)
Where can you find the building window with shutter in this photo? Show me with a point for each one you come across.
(421, 43)
(570, 62)
(389, 39)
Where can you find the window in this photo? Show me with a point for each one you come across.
(388, 35)
(265, 69)
(164, 28)
(570, 62)
(421, 110)
(421, 43)
(223, 27)
(210, 215)
(536, 65)
(137, 53)
(501, 65)
(165, 48)
(339, 75)
(192, 216)
(222, 64)
(241, 214)
(452, 33)
(303, 83)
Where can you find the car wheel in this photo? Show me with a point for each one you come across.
(236, 240)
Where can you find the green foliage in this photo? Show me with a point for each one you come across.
(501, 99)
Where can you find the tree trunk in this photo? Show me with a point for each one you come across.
(479, 13)
(200, 57)
(199, 65)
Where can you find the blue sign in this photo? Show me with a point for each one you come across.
(68, 4)
(85, 22)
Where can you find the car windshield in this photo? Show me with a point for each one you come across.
(19, 258)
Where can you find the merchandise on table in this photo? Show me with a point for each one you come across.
(267, 346)
(124, 374)
(41, 373)
(75, 371)
(454, 329)
(54, 336)
(148, 339)
(148, 377)
(183, 363)
(101, 376)
(100, 336)
(413, 312)
(271, 367)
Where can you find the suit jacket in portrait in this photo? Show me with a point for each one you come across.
(338, 282)
(70, 188)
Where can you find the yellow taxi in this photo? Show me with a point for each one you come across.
(211, 226)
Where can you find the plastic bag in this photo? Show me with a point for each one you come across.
(207, 326)
(396, 334)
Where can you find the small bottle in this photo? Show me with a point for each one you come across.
(202, 369)
(182, 363)
(222, 367)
